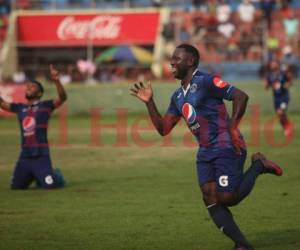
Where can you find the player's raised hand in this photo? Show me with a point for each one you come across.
(144, 93)
(54, 73)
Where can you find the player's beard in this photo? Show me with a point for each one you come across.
(181, 73)
(31, 96)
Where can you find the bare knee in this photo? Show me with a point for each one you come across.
(211, 196)
(227, 199)
(209, 193)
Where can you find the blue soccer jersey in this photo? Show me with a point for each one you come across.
(202, 107)
(33, 121)
(276, 81)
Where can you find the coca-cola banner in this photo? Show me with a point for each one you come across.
(11, 93)
(80, 30)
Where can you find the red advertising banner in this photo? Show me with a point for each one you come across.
(82, 29)
(12, 93)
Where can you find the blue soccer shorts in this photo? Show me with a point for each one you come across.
(281, 102)
(223, 166)
(29, 169)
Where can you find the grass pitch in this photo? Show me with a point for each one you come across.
(140, 196)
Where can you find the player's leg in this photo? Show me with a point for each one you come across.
(259, 165)
(228, 175)
(219, 213)
(233, 185)
(281, 105)
(22, 176)
(281, 111)
(44, 174)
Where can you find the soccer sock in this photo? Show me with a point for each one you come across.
(283, 120)
(223, 218)
(249, 179)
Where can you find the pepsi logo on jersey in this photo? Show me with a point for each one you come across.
(189, 113)
(28, 125)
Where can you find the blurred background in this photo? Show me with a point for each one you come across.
(101, 41)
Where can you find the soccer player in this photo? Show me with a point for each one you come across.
(34, 162)
(280, 81)
(222, 151)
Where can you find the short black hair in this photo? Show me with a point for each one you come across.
(191, 50)
(40, 86)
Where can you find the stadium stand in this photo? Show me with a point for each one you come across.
(249, 32)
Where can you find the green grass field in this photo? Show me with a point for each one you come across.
(144, 197)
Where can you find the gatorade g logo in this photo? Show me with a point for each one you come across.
(223, 181)
(189, 113)
(218, 82)
(49, 180)
(28, 125)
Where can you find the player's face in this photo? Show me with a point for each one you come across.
(181, 62)
(274, 66)
(32, 91)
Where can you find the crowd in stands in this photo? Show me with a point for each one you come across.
(5, 9)
(253, 31)
(223, 30)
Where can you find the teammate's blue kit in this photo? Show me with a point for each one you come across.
(34, 162)
(204, 111)
(276, 81)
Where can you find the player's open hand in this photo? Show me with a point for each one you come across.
(144, 93)
(54, 73)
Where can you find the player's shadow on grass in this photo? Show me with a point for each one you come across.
(278, 239)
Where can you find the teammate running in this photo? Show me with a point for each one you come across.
(280, 81)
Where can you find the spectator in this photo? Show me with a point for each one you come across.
(226, 29)
(211, 6)
(267, 7)
(210, 38)
(223, 11)
(184, 35)
(19, 76)
(291, 24)
(289, 60)
(246, 14)
(5, 7)
(233, 51)
(273, 47)
(168, 35)
(198, 29)
(156, 3)
(245, 43)
(199, 4)
(168, 32)
(246, 11)
(23, 4)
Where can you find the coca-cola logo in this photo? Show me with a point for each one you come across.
(99, 27)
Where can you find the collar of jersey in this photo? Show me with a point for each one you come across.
(34, 103)
(188, 87)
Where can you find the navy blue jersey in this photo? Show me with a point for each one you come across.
(33, 121)
(204, 111)
(276, 81)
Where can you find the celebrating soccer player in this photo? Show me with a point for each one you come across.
(280, 81)
(34, 162)
(222, 151)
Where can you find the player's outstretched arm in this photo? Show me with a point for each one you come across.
(240, 100)
(62, 95)
(4, 105)
(163, 125)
